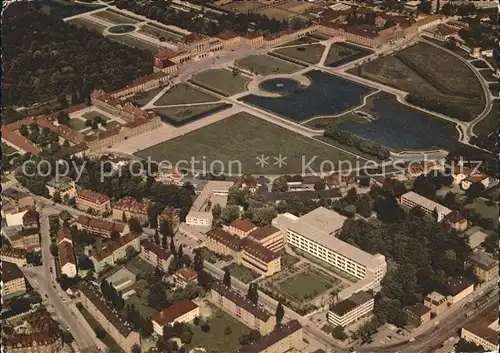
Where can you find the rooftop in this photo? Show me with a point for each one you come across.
(456, 285)
(262, 233)
(243, 224)
(10, 272)
(14, 194)
(174, 311)
(240, 301)
(425, 202)
(301, 195)
(130, 204)
(324, 219)
(93, 196)
(225, 238)
(482, 326)
(260, 252)
(66, 253)
(186, 274)
(454, 217)
(111, 248)
(435, 297)
(347, 305)
(211, 187)
(279, 333)
(155, 249)
(101, 224)
(483, 260)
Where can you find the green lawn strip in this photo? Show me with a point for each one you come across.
(288, 260)
(266, 65)
(306, 285)
(484, 210)
(488, 75)
(182, 114)
(307, 53)
(300, 41)
(107, 340)
(113, 17)
(135, 43)
(216, 340)
(244, 274)
(243, 137)
(77, 124)
(7, 150)
(221, 80)
(185, 94)
(156, 32)
(342, 53)
(490, 123)
(142, 98)
(82, 22)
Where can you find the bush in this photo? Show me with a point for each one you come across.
(196, 321)
(205, 327)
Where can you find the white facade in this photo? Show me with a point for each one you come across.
(187, 317)
(200, 214)
(412, 200)
(351, 315)
(14, 219)
(69, 270)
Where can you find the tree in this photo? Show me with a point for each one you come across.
(280, 313)
(227, 278)
(253, 293)
(364, 206)
(124, 217)
(67, 337)
(172, 247)
(319, 185)
(228, 330)
(57, 197)
(166, 229)
(134, 225)
(156, 238)
(130, 251)
(474, 191)
(100, 332)
(198, 260)
(216, 211)
(339, 333)
(205, 327)
(88, 123)
(425, 7)
(136, 349)
(23, 130)
(54, 249)
(157, 297)
(230, 213)
(279, 185)
(164, 241)
(114, 235)
(63, 118)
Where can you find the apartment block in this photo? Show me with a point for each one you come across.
(413, 200)
(436, 302)
(222, 242)
(131, 208)
(284, 338)
(181, 311)
(269, 237)
(64, 186)
(117, 328)
(253, 316)
(116, 251)
(485, 267)
(14, 283)
(214, 192)
(21, 238)
(483, 331)
(100, 226)
(19, 198)
(314, 233)
(458, 288)
(155, 255)
(67, 258)
(351, 309)
(15, 256)
(184, 276)
(90, 200)
(172, 216)
(241, 227)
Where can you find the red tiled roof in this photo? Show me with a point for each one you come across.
(263, 233)
(100, 224)
(111, 248)
(186, 274)
(155, 249)
(92, 196)
(66, 253)
(243, 224)
(173, 312)
(132, 205)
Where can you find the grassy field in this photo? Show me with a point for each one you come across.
(135, 43)
(342, 53)
(143, 98)
(266, 65)
(308, 53)
(82, 22)
(243, 137)
(486, 211)
(114, 17)
(300, 41)
(488, 75)
(215, 340)
(180, 115)
(76, 124)
(184, 94)
(159, 33)
(107, 340)
(244, 274)
(457, 50)
(490, 123)
(306, 285)
(429, 72)
(222, 81)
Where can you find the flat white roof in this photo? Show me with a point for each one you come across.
(425, 202)
(211, 187)
(317, 226)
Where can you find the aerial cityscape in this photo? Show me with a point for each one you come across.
(250, 176)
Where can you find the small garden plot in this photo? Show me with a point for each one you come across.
(480, 64)
(77, 124)
(307, 53)
(488, 75)
(139, 266)
(184, 94)
(222, 81)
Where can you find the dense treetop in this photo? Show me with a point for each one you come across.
(44, 58)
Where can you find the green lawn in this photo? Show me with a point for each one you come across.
(77, 124)
(184, 94)
(111, 125)
(307, 53)
(486, 211)
(306, 285)
(142, 98)
(182, 114)
(215, 340)
(342, 53)
(488, 75)
(114, 17)
(244, 274)
(160, 33)
(92, 115)
(82, 22)
(135, 43)
(490, 123)
(222, 81)
(480, 64)
(238, 141)
(266, 65)
(300, 41)
(107, 340)
(208, 255)
(288, 260)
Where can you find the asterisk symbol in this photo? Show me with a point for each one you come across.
(262, 161)
(280, 160)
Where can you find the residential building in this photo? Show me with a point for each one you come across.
(415, 201)
(100, 226)
(172, 216)
(121, 281)
(269, 237)
(419, 314)
(131, 208)
(485, 267)
(458, 288)
(481, 179)
(14, 216)
(90, 200)
(20, 198)
(14, 283)
(117, 328)
(351, 309)
(475, 237)
(483, 331)
(314, 233)
(180, 311)
(31, 219)
(41, 334)
(169, 176)
(64, 185)
(284, 338)
(67, 258)
(214, 192)
(115, 251)
(456, 221)
(436, 302)
(65, 218)
(241, 227)
(184, 276)
(155, 255)
(245, 251)
(252, 315)
(27, 239)
(141, 84)
(15, 256)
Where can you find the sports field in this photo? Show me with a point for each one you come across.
(267, 65)
(308, 53)
(222, 81)
(239, 139)
(184, 94)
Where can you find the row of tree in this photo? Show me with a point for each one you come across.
(440, 106)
